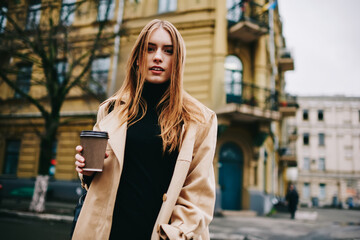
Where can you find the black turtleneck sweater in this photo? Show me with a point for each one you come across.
(146, 173)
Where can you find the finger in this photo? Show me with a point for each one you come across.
(79, 164)
(79, 158)
(79, 170)
(79, 148)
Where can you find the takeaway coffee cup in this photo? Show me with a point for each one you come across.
(94, 146)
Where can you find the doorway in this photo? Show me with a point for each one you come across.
(231, 176)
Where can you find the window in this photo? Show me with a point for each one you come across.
(321, 139)
(305, 115)
(106, 10)
(99, 75)
(67, 12)
(3, 11)
(306, 191)
(322, 191)
(233, 79)
(23, 79)
(61, 68)
(34, 14)
(306, 139)
(167, 6)
(306, 165)
(235, 10)
(322, 164)
(11, 156)
(320, 115)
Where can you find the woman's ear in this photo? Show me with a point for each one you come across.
(137, 62)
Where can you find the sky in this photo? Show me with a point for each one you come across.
(324, 38)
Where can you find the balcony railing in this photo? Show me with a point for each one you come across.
(286, 62)
(287, 152)
(252, 95)
(247, 20)
(288, 105)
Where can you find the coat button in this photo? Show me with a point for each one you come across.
(164, 197)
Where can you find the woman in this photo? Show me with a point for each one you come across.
(158, 178)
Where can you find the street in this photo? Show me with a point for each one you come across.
(309, 224)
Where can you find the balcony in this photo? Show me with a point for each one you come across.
(247, 21)
(288, 106)
(247, 102)
(287, 154)
(286, 62)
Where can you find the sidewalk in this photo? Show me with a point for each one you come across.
(54, 210)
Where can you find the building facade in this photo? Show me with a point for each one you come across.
(235, 65)
(328, 150)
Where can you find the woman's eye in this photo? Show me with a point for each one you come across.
(170, 51)
(151, 49)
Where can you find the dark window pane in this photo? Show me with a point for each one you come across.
(305, 115)
(321, 139)
(11, 156)
(306, 139)
(320, 115)
(106, 10)
(34, 14)
(23, 80)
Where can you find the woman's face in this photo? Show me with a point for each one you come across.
(159, 57)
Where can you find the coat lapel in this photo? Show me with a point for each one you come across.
(117, 134)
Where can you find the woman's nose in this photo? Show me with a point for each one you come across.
(158, 56)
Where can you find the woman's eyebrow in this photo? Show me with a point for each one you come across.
(153, 44)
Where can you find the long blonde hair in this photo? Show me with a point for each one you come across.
(175, 107)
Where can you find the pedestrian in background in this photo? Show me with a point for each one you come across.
(292, 199)
(158, 178)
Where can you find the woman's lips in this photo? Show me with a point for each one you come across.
(157, 70)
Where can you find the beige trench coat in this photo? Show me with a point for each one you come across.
(188, 204)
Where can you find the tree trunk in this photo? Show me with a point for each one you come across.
(38, 201)
(46, 147)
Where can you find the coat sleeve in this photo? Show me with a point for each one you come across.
(194, 208)
(85, 181)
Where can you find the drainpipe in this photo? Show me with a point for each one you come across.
(272, 83)
(274, 71)
(116, 46)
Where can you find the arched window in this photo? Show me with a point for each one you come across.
(233, 79)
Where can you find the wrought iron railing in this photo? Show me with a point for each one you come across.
(248, 10)
(253, 95)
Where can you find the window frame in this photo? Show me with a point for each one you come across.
(306, 136)
(322, 191)
(33, 14)
(320, 115)
(321, 164)
(321, 139)
(3, 17)
(233, 85)
(306, 190)
(306, 163)
(23, 79)
(305, 115)
(96, 87)
(170, 6)
(8, 155)
(68, 7)
(105, 6)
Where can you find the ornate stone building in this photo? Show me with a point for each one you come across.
(236, 59)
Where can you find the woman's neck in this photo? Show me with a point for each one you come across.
(152, 93)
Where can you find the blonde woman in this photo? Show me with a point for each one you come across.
(158, 178)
